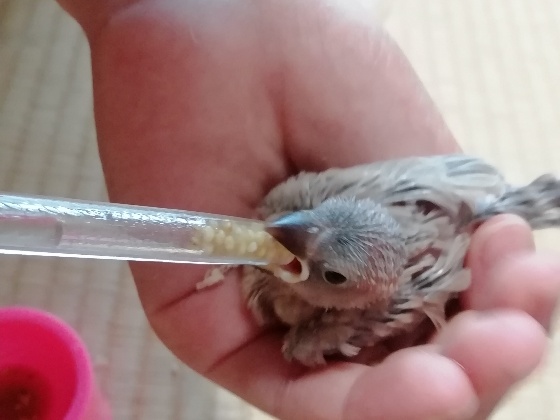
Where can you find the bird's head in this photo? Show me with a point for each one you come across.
(351, 251)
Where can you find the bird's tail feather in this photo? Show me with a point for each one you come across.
(538, 203)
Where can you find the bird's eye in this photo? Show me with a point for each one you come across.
(333, 277)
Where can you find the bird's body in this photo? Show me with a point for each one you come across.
(385, 246)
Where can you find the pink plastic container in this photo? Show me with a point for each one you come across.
(45, 370)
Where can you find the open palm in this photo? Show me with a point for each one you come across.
(207, 105)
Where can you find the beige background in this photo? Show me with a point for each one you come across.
(492, 66)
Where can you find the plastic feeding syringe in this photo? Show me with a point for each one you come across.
(32, 225)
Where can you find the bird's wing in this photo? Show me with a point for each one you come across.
(445, 181)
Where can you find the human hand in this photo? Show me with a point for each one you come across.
(207, 105)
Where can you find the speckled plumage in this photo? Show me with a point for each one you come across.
(398, 231)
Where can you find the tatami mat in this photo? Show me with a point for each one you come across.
(492, 66)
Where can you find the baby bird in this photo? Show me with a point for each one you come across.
(380, 248)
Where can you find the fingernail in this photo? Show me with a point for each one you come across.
(504, 237)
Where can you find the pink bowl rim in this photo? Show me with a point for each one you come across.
(55, 325)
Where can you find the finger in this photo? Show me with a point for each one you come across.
(502, 237)
(498, 239)
(433, 386)
(496, 350)
(507, 274)
(530, 283)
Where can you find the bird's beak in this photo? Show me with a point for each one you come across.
(296, 233)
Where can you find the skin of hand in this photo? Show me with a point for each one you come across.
(207, 105)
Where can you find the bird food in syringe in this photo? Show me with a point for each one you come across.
(239, 239)
(71, 228)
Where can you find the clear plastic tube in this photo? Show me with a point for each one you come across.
(31, 225)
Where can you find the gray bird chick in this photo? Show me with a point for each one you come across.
(380, 247)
